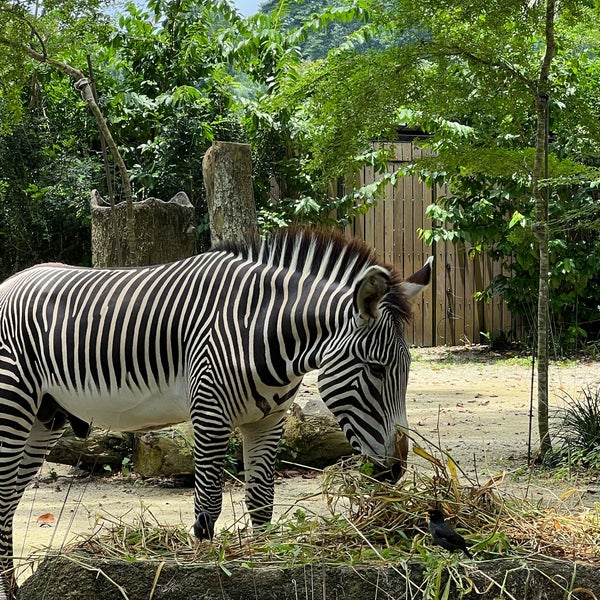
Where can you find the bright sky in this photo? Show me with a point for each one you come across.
(247, 7)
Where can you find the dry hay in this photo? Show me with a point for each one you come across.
(372, 522)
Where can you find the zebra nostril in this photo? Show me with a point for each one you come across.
(397, 470)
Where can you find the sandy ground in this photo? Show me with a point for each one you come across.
(472, 404)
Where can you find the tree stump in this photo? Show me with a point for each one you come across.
(227, 174)
(164, 231)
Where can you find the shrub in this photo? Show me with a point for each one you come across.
(577, 428)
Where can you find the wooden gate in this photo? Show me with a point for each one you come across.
(447, 314)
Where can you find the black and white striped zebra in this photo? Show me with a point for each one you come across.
(224, 337)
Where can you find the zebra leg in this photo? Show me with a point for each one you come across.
(25, 457)
(260, 448)
(11, 454)
(211, 439)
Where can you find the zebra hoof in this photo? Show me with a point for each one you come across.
(204, 527)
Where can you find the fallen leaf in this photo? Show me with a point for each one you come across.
(46, 520)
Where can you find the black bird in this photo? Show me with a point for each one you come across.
(443, 535)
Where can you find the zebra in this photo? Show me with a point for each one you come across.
(223, 338)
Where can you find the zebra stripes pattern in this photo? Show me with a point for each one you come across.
(223, 338)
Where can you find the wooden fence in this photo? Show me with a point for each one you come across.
(447, 314)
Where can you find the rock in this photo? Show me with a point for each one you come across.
(313, 438)
(165, 452)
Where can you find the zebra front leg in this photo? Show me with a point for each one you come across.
(211, 440)
(260, 448)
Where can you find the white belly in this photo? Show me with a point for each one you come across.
(126, 409)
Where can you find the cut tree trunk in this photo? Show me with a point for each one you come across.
(227, 174)
(164, 231)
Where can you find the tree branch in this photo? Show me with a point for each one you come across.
(491, 63)
(34, 31)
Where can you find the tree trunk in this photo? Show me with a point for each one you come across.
(165, 231)
(227, 174)
(100, 448)
(540, 229)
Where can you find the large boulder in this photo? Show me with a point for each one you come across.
(165, 452)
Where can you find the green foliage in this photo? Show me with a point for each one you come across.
(577, 428)
(170, 93)
(46, 168)
(47, 220)
(327, 33)
(476, 213)
(165, 89)
(467, 73)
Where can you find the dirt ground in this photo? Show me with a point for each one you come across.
(473, 404)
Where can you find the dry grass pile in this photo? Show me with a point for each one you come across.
(372, 522)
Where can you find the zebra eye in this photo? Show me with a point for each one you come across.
(377, 370)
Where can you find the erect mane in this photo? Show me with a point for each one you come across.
(322, 253)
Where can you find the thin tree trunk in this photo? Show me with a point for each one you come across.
(540, 229)
(109, 182)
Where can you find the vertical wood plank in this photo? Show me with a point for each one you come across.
(447, 311)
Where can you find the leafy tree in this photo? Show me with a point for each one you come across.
(268, 50)
(165, 92)
(45, 164)
(293, 15)
(170, 93)
(47, 220)
(482, 78)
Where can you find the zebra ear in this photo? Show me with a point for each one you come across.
(369, 291)
(417, 282)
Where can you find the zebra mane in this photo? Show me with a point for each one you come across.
(323, 253)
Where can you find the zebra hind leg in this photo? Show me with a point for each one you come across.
(260, 449)
(25, 455)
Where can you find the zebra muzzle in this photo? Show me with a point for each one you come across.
(401, 455)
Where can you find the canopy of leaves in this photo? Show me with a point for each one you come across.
(453, 62)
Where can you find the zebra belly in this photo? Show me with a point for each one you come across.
(126, 409)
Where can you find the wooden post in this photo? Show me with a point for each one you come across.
(227, 173)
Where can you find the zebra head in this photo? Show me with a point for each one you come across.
(364, 371)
